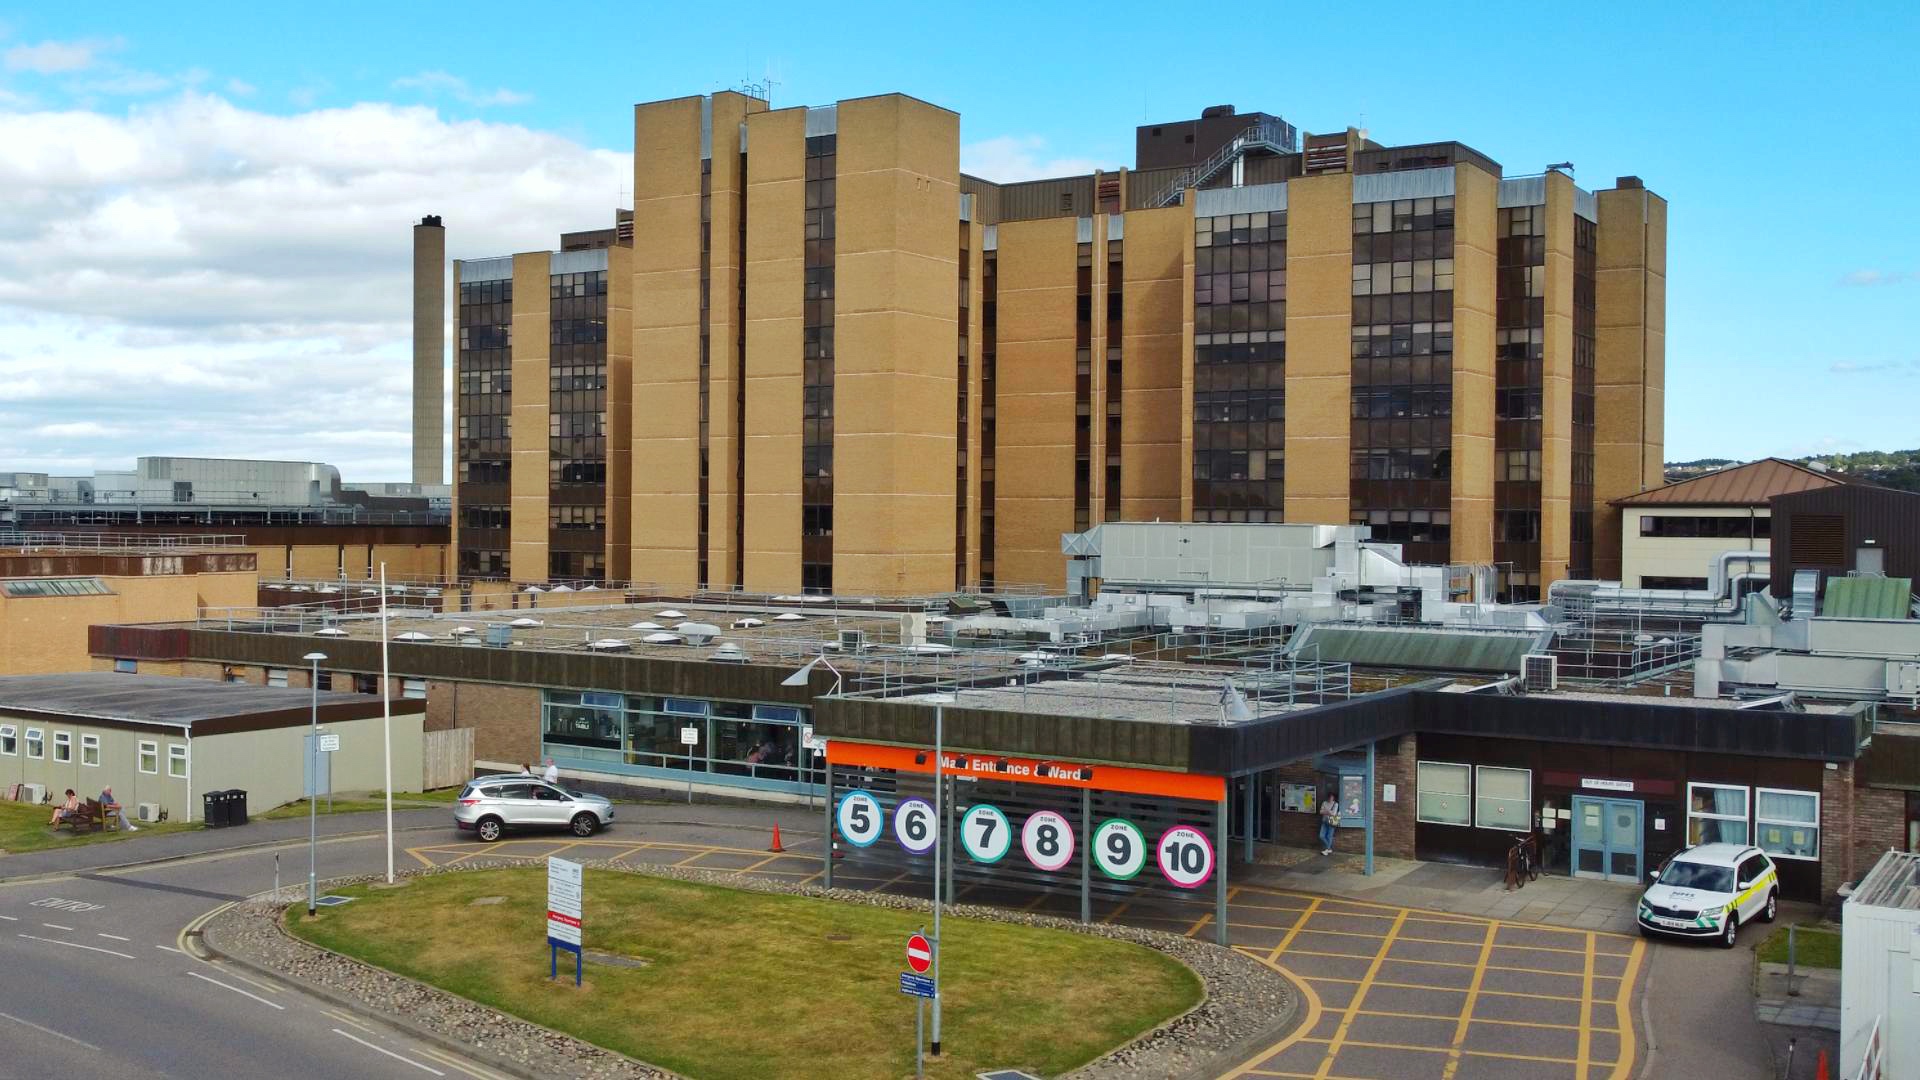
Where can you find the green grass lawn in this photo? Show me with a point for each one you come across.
(745, 985)
(1814, 946)
(357, 801)
(23, 827)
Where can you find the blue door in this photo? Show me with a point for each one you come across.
(1608, 840)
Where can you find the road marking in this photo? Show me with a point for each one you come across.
(49, 1031)
(237, 990)
(63, 904)
(232, 974)
(811, 878)
(1442, 1050)
(345, 1019)
(9, 918)
(1623, 1014)
(1359, 996)
(1586, 1017)
(1466, 1008)
(1294, 931)
(476, 1071)
(57, 926)
(389, 1053)
(170, 949)
(75, 945)
(1314, 1011)
(112, 937)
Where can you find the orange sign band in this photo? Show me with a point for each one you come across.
(1054, 773)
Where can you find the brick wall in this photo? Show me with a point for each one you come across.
(1879, 824)
(1837, 820)
(440, 705)
(505, 719)
(1392, 822)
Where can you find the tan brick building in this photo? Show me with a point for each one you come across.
(820, 357)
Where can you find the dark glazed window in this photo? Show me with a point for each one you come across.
(1239, 367)
(1519, 396)
(816, 443)
(483, 450)
(577, 427)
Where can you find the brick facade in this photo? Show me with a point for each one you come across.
(1392, 822)
(1879, 825)
(505, 719)
(1837, 831)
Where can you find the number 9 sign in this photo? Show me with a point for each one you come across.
(1118, 849)
(985, 834)
(859, 818)
(1186, 857)
(1048, 840)
(913, 825)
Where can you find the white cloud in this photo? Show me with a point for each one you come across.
(58, 57)
(192, 277)
(1879, 277)
(240, 88)
(435, 83)
(1008, 158)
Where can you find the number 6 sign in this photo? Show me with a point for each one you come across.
(1048, 840)
(1186, 857)
(913, 825)
(859, 817)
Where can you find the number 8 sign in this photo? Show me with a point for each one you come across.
(1048, 840)
(1186, 857)
(859, 818)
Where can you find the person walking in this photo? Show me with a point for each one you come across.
(1329, 821)
(553, 772)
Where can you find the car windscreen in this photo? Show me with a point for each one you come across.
(1693, 875)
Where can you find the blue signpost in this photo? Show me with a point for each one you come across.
(919, 958)
(563, 915)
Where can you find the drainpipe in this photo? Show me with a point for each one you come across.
(187, 732)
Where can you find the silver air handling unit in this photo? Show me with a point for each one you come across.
(1540, 673)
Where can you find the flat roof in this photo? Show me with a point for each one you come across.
(164, 700)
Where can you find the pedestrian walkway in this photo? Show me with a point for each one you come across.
(180, 845)
(1811, 999)
(1573, 903)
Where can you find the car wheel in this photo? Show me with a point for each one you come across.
(488, 829)
(1772, 909)
(584, 824)
(1730, 934)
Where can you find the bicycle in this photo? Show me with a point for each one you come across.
(1523, 862)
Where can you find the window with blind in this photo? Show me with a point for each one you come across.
(1504, 798)
(1442, 795)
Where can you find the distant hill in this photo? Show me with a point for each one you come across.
(1888, 468)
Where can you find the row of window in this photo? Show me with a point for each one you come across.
(35, 740)
(1685, 526)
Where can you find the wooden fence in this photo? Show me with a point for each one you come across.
(447, 758)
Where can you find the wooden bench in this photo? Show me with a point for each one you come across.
(87, 818)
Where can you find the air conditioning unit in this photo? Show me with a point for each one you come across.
(853, 641)
(33, 793)
(147, 811)
(1539, 672)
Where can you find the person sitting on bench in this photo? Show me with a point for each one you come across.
(111, 806)
(65, 809)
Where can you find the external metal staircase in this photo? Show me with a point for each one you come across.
(1270, 134)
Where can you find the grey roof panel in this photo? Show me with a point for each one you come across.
(155, 699)
(1418, 648)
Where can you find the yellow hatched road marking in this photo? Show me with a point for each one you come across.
(346, 1019)
(1447, 963)
(1298, 925)
(1443, 1050)
(1623, 1012)
(1586, 1016)
(1315, 1009)
(1478, 1019)
(1466, 1007)
(1359, 996)
(1201, 923)
(444, 1058)
(1429, 915)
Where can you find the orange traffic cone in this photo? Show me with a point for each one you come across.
(1820, 1067)
(776, 848)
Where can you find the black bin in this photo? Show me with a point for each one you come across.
(214, 803)
(236, 806)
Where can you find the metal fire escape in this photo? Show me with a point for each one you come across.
(1271, 134)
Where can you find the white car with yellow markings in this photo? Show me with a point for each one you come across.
(1708, 891)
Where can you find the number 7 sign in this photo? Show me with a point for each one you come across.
(985, 834)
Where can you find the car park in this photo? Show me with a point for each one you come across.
(1708, 891)
(491, 806)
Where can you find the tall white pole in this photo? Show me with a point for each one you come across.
(939, 719)
(313, 791)
(386, 715)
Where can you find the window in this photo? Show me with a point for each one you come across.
(63, 746)
(1505, 798)
(126, 667)
(1751, 869)
(233, 675)
(276, 676)
(1653, 581)
(413, 688)
(90, 750)
(1788, 823)
(149, 757)
(1716, 814)
(56, 587)
(9, 742)
(176, 761)
(1441, 793)
(36, 743)
(323, 681)
(366, 684)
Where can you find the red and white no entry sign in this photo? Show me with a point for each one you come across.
(919, 954)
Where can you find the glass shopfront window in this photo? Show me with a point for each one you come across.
(584, 721)
(750, 744)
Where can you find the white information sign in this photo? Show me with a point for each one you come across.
(1048, 840)
(1186, 856)
(563, 902)
(1118, 849)
(329, 743)
(985, 833)
(689, 736)
(859, 817)
(913, 825)
(815, 743)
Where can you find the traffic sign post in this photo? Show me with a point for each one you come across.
(689, 738)
(329, 743)
(921, 987)
(563, 915)
(919, 954)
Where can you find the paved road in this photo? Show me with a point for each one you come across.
(97, 983)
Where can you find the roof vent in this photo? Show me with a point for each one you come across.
(1212, 111)
(698, 633)
(728, 653)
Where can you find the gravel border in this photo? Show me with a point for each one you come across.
(1246, 1004)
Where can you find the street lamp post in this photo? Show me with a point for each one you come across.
(313, 782)
(939, 771)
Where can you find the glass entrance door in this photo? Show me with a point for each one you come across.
(1608, 840)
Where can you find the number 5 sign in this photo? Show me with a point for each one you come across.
(859, 818)
(1186, 857)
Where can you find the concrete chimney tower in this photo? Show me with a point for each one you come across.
(429, 350)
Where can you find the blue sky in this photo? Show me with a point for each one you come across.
(1785, 138)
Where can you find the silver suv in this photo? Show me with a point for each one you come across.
(490, 805)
